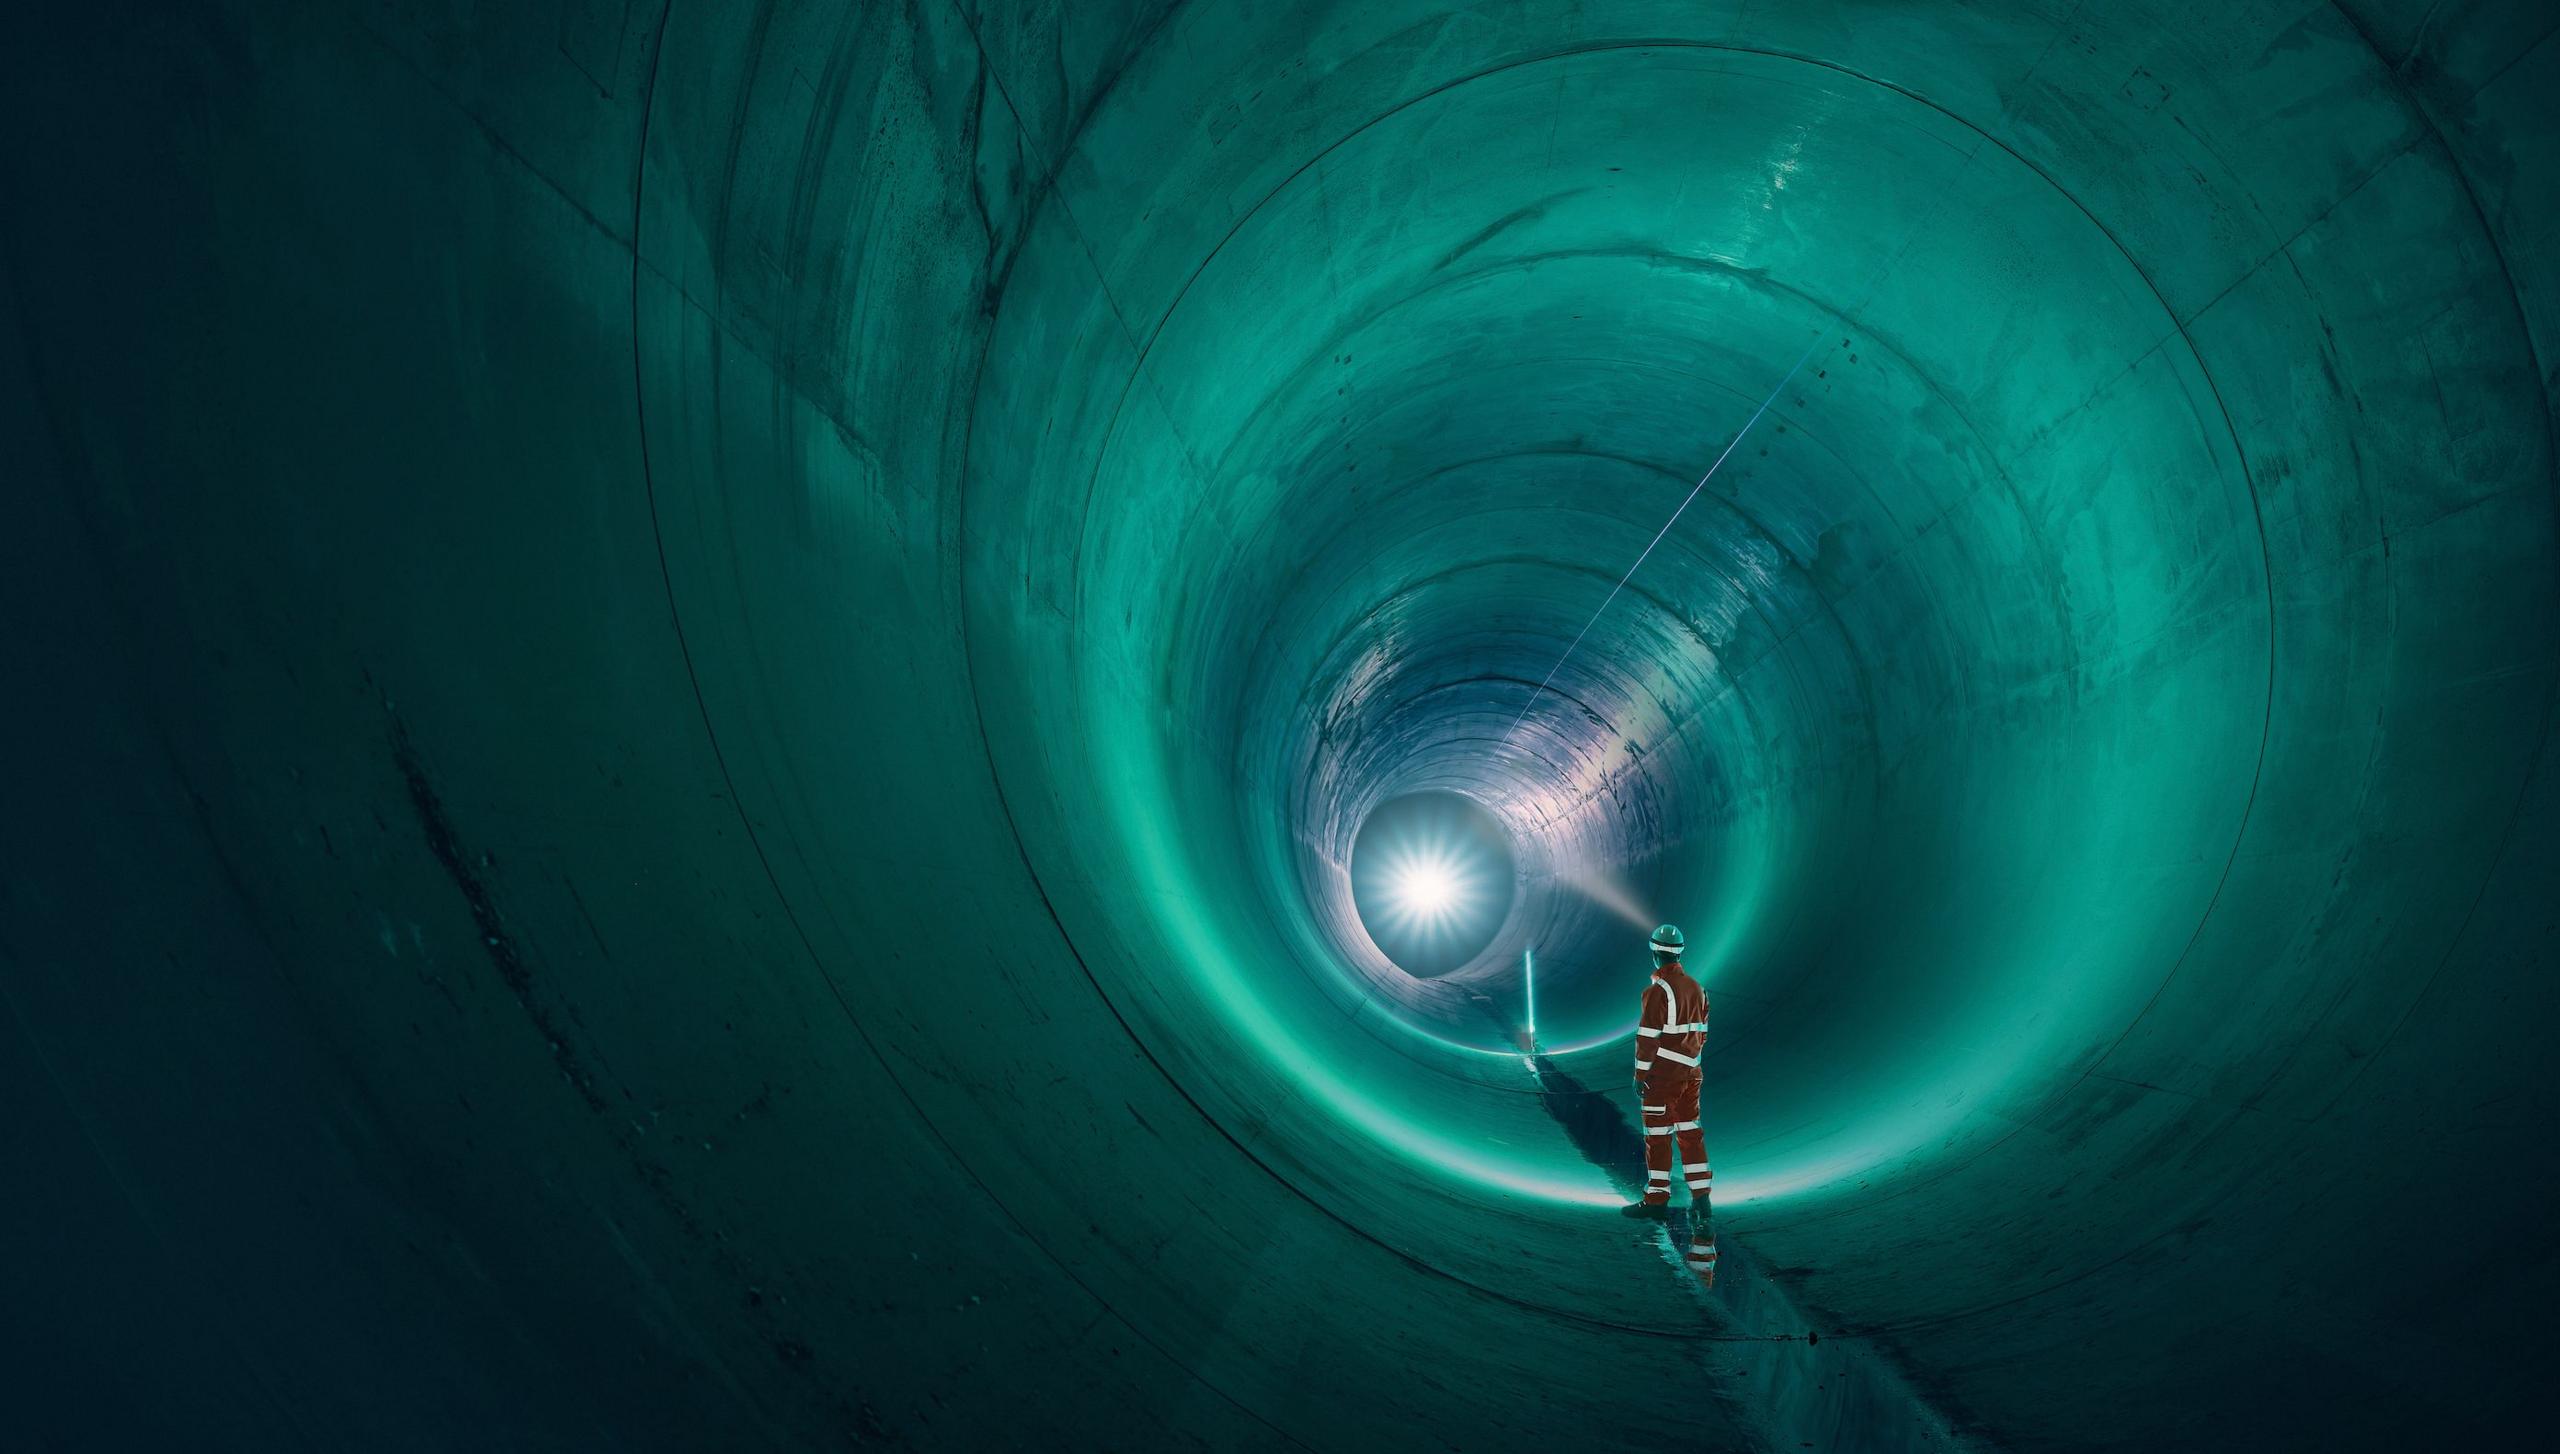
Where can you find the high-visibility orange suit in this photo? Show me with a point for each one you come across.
(1671, 1034)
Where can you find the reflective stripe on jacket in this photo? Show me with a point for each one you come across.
(1671, 1024)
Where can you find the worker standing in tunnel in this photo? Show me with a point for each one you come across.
(1671, 1038)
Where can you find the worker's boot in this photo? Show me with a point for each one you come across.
(1646, 1211)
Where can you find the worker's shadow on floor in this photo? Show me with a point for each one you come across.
(1597, 1125)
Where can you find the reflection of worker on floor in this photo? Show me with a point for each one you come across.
(1702, 1245)
(1671, 1035)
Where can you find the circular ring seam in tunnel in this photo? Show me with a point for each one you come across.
(1846, 319)
(2489, 872)
(1676, 720)
(747, 825)
(1356, 1012)
(2000, 478)
(1139, 1044)
(1022, 848)
(648, 482)
(2266, 577)
(1109, 428)
(1140, 365)
(1409, 1259)
(2392, 73)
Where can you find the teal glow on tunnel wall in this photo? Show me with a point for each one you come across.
(692, 684)
(1194, 424)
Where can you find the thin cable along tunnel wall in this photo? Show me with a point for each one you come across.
(692, 687)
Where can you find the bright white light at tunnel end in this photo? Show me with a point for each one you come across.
(1427, 888)
(1429, 891)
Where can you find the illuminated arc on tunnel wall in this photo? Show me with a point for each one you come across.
(1719, 687)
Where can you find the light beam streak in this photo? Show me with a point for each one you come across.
(1685, 502)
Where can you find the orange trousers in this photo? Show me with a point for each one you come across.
(1671, 1114)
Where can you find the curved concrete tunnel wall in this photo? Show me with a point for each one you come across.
(695, 681)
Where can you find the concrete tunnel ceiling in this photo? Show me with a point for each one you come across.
(740, 650)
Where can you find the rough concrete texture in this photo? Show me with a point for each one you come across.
(686, 685)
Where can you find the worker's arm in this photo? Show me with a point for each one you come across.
(1655, 1013)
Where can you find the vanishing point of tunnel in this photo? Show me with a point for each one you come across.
(955, 725)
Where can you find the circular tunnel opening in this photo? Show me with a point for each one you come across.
(1433, 879)
(1857, 721)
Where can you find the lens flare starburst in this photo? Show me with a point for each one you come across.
(1431, 879)
(1427, 888)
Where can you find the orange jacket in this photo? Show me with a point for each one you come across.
(1671, 1025)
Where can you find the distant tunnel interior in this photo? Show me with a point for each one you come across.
(693, 688)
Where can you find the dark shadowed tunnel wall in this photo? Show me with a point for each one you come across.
(690, 686)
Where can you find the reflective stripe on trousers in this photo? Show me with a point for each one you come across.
(1671, 1120)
